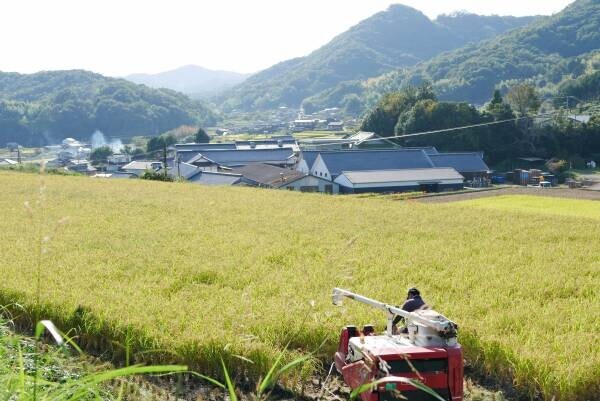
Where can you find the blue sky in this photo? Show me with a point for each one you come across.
(118, 37)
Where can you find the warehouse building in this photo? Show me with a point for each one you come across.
(469, 164)
(405, 180)
(329, 165)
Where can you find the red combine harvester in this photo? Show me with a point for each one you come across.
(428, 352)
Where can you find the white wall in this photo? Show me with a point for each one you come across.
(319, 169)
(303, 167)
(311, 181)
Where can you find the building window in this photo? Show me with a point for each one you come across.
(328, 189)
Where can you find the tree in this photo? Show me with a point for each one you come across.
(523, 99)
(498, 109)
(353, 106)
(201, 136)
(309, 107)
(159, 142)
(156, 176)
(384, 117)
(100, 155)
(496, 98)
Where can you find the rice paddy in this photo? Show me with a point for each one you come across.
(539, 206)
(188, 273)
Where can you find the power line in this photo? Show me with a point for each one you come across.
(439, 131)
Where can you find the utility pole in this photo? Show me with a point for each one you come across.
(178, 169)
(165, 158)
(19, 154)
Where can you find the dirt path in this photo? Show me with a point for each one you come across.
(551, 192)
(314, 390)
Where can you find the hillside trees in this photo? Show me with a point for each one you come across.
(384, 117)
(43, 108)
(523, 99)
(416, 110)
(158, 143)
(397, 38)
(586, 87)
(498, 109)
(551, 51)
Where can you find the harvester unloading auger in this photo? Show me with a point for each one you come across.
(428, 352)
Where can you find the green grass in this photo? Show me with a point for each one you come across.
(188, 271)
(38, 371)
(536, 205)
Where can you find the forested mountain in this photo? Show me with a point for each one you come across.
(41, 108)
(398, 37)
(475, 28)
(558, 54)
(190, 79)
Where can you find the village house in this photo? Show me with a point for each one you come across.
(303, 125)
(180, 170)
(81, 166)
(214, 178)
(281, 157)
(115, 175)
(71, 149)
(329, 165)
(306, 160)
(138, 168)
(267, 176)
(116, 161)
(469, 164)
(310, 183)
(335, 126)
(359, 140)
(7, 162)
(404, 180)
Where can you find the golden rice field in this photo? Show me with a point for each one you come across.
(539, 205)
(192, 272)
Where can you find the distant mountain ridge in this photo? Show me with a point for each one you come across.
(45, 107)
(397, 38)
(552, 52)
(190, 79)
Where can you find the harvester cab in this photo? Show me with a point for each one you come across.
(428, 352)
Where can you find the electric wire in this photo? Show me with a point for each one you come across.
(439, 131)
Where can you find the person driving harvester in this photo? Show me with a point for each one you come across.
(413, 302)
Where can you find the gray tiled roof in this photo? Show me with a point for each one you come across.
(210, 178)
(233, 158)
(287, 140)
(264, 174)
(203, 146)
(141, 165)
(430, 150)
(309, 156)
(185, 170)
(388, 176)
(471, 162)
(359, 160)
